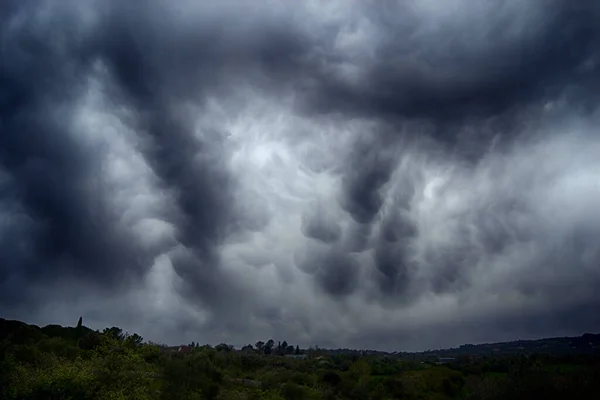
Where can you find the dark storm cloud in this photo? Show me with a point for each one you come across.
(370, 166)
(158, 54)
(439, 180)
(457, 74)
(337, 273)
(157, 67)
(393, 255)
(451, 264)
(58, 221)
(213, 290)
(392, 269)
(333, 271)
(160, 66)
(190, 169)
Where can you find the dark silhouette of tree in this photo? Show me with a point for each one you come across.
(89, 341)
(281, 346)
(134, 340)
(260, 346)
(79, 330)
(269, 346)
(332, 378)
(297, 350)
(114, 332)
(223, 347)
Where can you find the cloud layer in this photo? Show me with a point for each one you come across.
(396, 175)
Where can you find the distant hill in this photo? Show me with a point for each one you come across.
(18, 332)
(587, 343)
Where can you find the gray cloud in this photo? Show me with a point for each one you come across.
(429, 65)
(334, 271)
(320, 225)
(339, 174)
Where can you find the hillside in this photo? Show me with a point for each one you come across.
(587, 343)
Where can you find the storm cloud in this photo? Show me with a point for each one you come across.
(341, 173)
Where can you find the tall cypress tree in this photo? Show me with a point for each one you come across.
(79, 330)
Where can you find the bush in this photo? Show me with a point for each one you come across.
(331, 378)
(293, 391)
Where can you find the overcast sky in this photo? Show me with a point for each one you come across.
(397, 175)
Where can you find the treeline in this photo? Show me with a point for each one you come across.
(282, 348)
(56, 362)
(267, 348)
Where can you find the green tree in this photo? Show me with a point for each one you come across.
(191, 377)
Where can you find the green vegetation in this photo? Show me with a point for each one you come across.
(57, 362)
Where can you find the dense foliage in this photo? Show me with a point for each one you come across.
(57, 362)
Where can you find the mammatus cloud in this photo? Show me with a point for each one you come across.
(332, 173)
